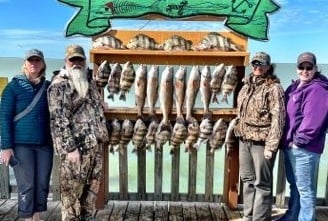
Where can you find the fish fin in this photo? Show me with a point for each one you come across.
(225, 98)
(215, 99)
(122, 96)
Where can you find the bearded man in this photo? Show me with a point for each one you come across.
(78, 129)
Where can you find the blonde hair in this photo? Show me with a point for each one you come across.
(42, 73)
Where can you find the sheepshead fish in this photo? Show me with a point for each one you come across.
(205, 89)
(179, 89)
(205, 131)
(216, 41)
(140, 88)
(152, 88)
(142, 41)
(107, 42)
(193, 134)
(229, 83)
(163, 134)
(166, 93)
(218, 135)
(176, 42)
(192, 90)
(127, 78)
(150, 136)
(102, 74)
(179, 134)
(216, 82)
(113, 85)
(230, 136)
(139, 133)
(114, 134)
(126, 134)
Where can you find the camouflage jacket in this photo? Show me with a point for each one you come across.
(75, 122)
(261, 111)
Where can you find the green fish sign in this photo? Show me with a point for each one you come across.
(247, 17)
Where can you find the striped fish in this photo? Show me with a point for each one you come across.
(107, 42)
(142, 41)
(127, 79)
(216, 41)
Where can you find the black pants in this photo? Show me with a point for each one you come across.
(32, 175)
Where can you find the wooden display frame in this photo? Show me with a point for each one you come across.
(160, 57)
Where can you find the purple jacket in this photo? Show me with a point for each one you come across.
(307, 114)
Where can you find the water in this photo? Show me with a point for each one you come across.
(9, 67)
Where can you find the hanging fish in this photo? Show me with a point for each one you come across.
(205, 89)
(113, 85)
(166, 93)
(218, 135)
(152, 88)
(126, 135)
(140, 88)
(205, 131)
(151, 133)
(192, 90)
(102, 74)
(179, 134)
(229, 83)
(127, 78)
(114, 134)
(179, 89)
(230, 138)
(139, 133)
(193, 134)
(216, 81)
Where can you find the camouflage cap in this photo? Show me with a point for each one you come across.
(74, 51)
(307, 57)
(34, 53)
(262, 57)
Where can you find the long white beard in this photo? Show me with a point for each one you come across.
(80, 81)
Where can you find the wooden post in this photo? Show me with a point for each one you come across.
(4, 182)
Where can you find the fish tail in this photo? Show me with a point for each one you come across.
(214, 98)
(225, 98)
(111, 96)
(122, 96)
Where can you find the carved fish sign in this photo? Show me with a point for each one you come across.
(246, 17)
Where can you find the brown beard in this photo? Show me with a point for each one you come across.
(78, 76)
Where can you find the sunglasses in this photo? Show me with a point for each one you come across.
(34, 59)
(309, 68)
(258, 64)
(76, 59)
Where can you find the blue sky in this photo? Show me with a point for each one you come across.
(299, 25)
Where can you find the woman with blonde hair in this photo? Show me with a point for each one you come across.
(25, 135)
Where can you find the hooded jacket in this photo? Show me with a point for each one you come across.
(307, 114)
(261, 110)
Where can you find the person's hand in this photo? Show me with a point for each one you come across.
(6, 155)
(74, 156)
(267, 154)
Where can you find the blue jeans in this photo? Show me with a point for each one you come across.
(301, 171)
(32, 174)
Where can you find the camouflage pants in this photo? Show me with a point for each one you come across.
(79, 185)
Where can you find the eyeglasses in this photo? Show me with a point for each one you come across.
(76, 59)
(256, 64)
(34, 59)
(309, 68)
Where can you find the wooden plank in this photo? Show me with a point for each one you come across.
(131, 112)
(4, 182)
(133, 211)
(8, 210)
(192, 176)
(217, 212)
(189, 212)
(142, 172)
(161, 211)
(53, 211)
(102, 195)
(175, 174)
(147, 209)
(281, 181)
(104, 215)
(118, 212)
(203, 212)
(326, 193)
(158, 174)
(232, 214)
(123, 174)
(175, 211)
(209, 174)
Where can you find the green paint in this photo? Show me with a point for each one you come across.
(246, 17)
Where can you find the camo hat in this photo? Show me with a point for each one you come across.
(74, 51)
(34, 53)
(307, 57)
(262, 57)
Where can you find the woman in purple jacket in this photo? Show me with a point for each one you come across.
(304, 136)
